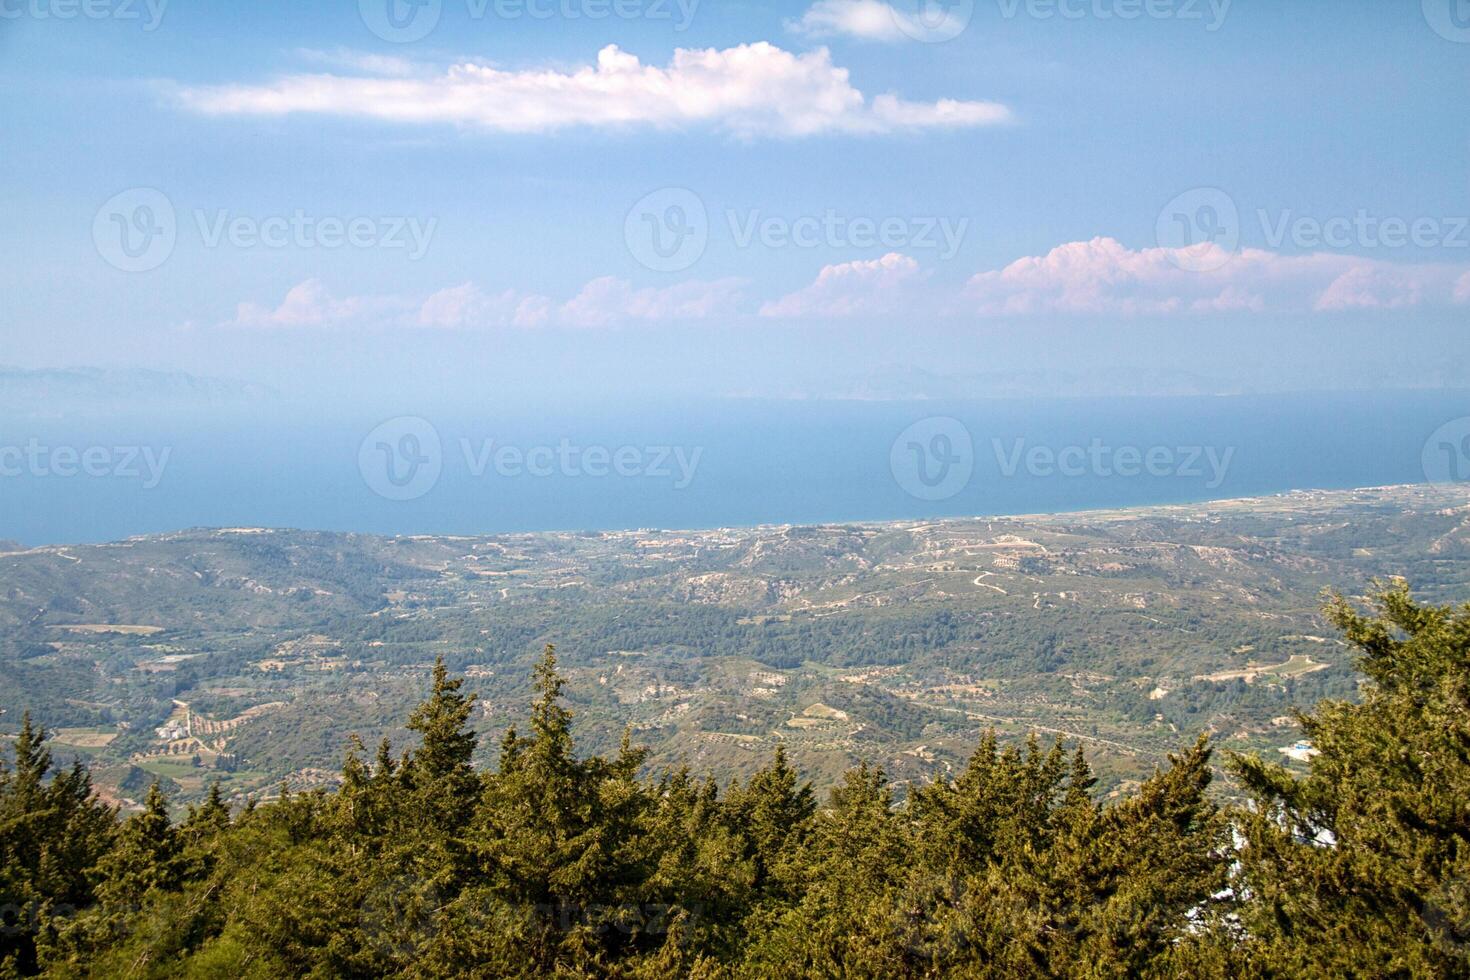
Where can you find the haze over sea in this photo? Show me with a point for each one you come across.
(705, 463)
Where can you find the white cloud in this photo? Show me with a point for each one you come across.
(373, 64)
(1098, 277)
(750, 90)
(869, 20)
(309, 304)
(607, 301)
(873, 20)
(1104, 276)
(863, 288)
(468, 307)
(1381, 286)
(601, 303)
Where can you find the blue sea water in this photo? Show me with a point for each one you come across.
(705, 463)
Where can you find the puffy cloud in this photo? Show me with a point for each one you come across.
(870, 20)
(750, 90)
(1105, 277)
(1366, 287)
(467, 306)
(1102, 276)
(862, 288)
(601, 303)
(873, 20)
(309, 304)
(608, 301)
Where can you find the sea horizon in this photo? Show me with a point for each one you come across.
(708, 464)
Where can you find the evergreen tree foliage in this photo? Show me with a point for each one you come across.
(560, 864)
(53, 833)
(1362, 867)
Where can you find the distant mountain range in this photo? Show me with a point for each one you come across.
(59, 392)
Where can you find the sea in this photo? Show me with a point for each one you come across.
(702, 463)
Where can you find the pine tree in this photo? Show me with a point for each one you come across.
(147, 855)
(441, 721)
(773, 812)
(701, 876)
(556, 864)
(439, 770)
(53, 831)
(854, 866)
(209, 818)
(1362, 867)
(1146, 870)
(559, 866)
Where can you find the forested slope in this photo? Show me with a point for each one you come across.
(552, 862)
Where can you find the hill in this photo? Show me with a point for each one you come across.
(253, 654)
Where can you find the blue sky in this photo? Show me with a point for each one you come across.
(493, 193)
